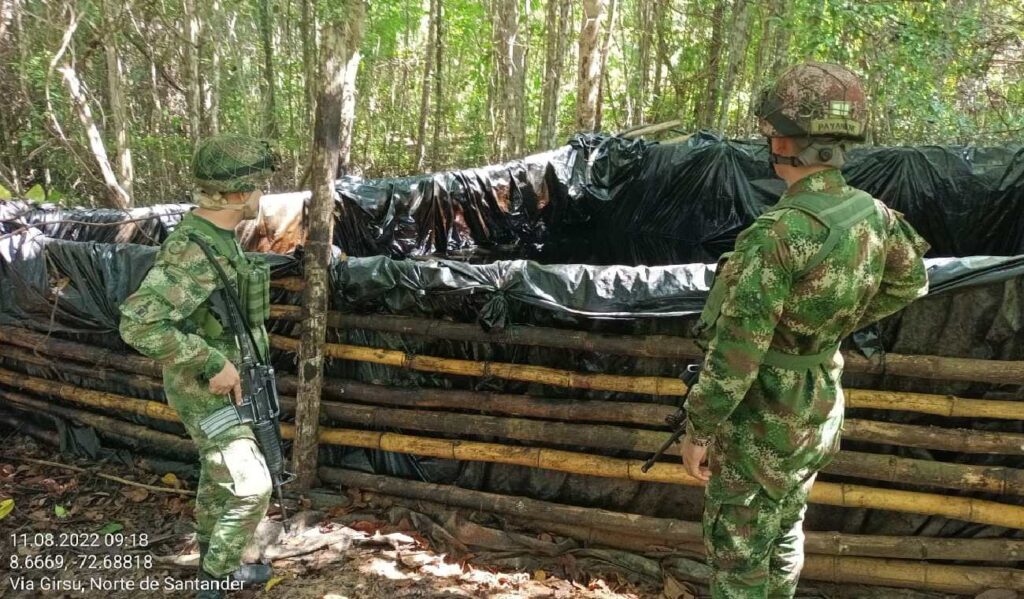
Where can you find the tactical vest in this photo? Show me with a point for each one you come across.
(837, 217)
(252, 276)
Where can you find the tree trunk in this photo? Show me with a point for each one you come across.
(661, 61)
(603, 73)
(736, 60)
(780, 41)
(307, 26)
(509, 55)
(354, 25)
(117, 197)
(318, 252)
(588, 78)
(118, 115)
(556, 33)
(269, 103)
(195, 84)
(645, 15)
(428, 68)
(706, 111)
(439, 123)
(768, 27)
(211, 95)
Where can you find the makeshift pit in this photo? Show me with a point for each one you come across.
(952, 496)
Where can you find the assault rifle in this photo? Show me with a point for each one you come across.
(260, 408)
(677, 420)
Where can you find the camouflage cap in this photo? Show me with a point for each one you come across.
(229, 163)
(814, 99)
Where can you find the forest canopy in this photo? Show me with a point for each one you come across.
(433, 84)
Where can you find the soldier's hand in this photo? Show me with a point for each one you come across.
(693, 457)
(227, 381)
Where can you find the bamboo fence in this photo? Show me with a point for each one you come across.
(843, 495)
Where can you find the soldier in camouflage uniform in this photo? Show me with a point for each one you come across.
(825, 261)
(175, 318)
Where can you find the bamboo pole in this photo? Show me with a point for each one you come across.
(943, 405)
(958, 440)
(117, 377)
(928, 473)
(671, 531)
(165, 441)
(844, 495)
(644, 346)
(650, 385)
(94, 356)
(1009, 372)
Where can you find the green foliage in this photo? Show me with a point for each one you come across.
(935, 71)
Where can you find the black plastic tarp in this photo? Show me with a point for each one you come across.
(609, 200)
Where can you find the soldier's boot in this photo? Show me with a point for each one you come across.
(247, 574)
(212, 593)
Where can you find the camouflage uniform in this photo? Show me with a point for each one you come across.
(173, 319)
(825, 261)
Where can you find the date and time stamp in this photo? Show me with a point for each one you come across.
(85, 563)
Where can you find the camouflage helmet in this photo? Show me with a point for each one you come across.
(228, 163)
(814, 99)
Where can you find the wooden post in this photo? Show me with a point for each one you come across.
(316, 265)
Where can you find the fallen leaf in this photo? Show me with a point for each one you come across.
(273, 582)
(110, 528)
(540, 575)
(136, 494)
(6, 507)
(171, 480)
(60, 511)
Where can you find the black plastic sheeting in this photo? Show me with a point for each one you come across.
(72, 289)
(147, 226)
(608, 200)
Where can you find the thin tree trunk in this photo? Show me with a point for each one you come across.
(588, 79)
(307, 25)
(117, 197)
(195, 85)
(557, 29)
(645, 12)
(767, 32)
(603, 75)
(428, 68)
(118, 114)
(780, 43)
(706, 111)
(736, 60)
(661, 59)
(439, 123)
(509, 54)
(211, 96)
(318, 253)
(354, 24)
(269, 102)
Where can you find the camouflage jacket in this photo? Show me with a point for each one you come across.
(172, 317)
(780, 293)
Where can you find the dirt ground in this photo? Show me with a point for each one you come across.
(72, 533)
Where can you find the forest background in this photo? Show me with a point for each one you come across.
(103, 101)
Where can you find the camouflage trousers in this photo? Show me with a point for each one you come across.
(756, 551)
(232, 497)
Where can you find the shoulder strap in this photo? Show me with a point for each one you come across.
(838, 218)
(240, 320)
